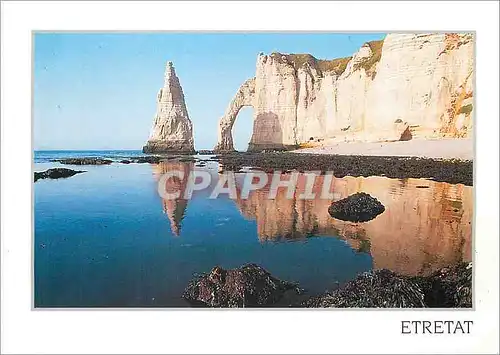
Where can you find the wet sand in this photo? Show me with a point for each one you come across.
(462, 149)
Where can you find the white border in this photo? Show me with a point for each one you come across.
(316, 331)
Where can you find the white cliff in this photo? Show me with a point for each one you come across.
(244, 97)
(172, 129)
(403, 87)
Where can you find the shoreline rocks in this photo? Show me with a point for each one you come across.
(450, 171)
(84, 161)
(253, 286)
(448, 287)
(359, 207)
(56, 173)
(373, 289)
(247, 286)
(205, 152)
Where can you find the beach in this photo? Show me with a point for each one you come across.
(462, 149)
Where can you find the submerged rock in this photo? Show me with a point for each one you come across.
(373, 289)
(125, 161)
(360, 207)
(56, 173)
(84, 161)
(246, 286)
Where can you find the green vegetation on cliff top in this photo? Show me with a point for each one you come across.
(369, 63)
(298, 60)
(337, 65)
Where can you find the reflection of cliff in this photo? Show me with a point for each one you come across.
(421, 230)
(174, 208)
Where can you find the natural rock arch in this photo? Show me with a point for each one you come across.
(244, 97)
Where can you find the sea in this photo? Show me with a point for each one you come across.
(107, 238)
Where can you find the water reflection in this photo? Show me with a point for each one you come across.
(175, 209)
(426, 224)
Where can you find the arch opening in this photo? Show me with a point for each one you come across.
(243, 98)
(243, 128)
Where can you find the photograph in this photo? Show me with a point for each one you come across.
(249, 177)
(253, 169)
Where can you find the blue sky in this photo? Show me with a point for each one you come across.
(98, 91)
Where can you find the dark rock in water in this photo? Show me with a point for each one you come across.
(360, 207)
(246, 286)
(84, 161)
(187, 160)
(125, 161)
(376, 289)
(151, 159)
(206, 152)
(56, 173)
(449, 287)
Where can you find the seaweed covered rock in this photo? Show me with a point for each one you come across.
(151, 159)
(360, 207)
(375, 289)
(246, 286)
(450, 287)
(84, 161)
(206, 152)
(56, 173)
(453, 171)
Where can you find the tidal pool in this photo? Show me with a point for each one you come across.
(105, 238)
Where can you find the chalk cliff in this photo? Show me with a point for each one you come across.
(172, 129)
(403, 87)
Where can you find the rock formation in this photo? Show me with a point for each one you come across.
(56, 173)
(244, 97)
(360, 207)
(247, 286)
(252, 286)
(405, 86)
(450, 287)
(172, 129)
(84, 161)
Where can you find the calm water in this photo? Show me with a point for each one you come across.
(105, 238)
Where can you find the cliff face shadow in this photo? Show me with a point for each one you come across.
(268, 132)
